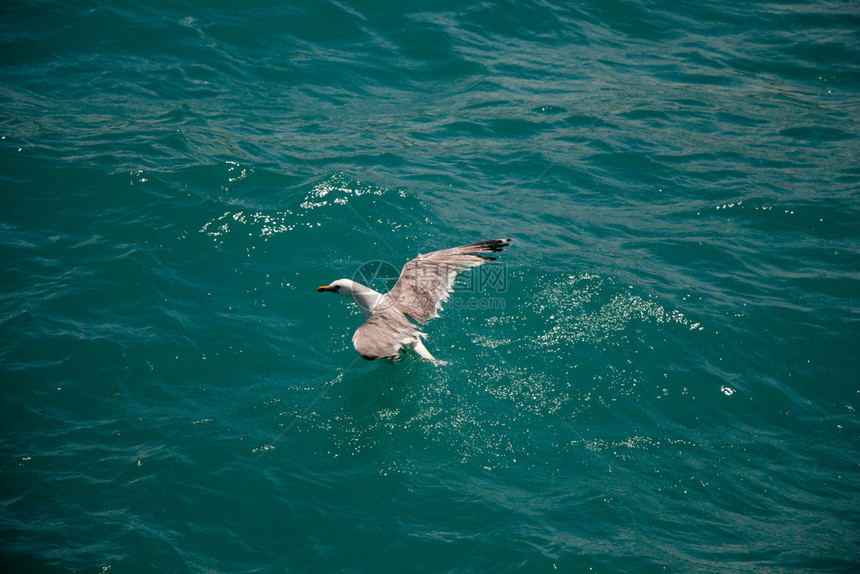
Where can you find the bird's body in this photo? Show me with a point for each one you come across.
(423, 285)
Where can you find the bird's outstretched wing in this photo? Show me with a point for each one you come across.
(384, 333)
(426, 281)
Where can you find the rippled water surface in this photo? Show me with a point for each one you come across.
(660, 374)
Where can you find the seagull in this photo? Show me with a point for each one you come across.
(423, 285)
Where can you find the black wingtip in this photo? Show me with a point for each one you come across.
(491, 246)
(495, 245)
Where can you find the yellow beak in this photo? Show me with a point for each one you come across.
(324, 288)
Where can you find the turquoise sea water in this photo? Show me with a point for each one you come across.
(660, 375)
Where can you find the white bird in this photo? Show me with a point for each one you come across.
(423, 285)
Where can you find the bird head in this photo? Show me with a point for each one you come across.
(341, 287)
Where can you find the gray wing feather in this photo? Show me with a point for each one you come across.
(426, 281)
(384, 333)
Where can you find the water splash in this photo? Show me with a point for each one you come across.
(310, 211)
